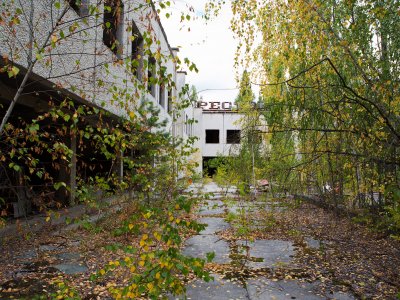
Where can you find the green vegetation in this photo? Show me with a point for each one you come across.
(330, 96)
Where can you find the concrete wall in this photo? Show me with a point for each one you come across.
(221, 121)
(77, 62)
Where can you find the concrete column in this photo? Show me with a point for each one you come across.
(67, 174)
(72, 177)
(118, 167)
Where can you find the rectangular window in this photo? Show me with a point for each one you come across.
(212, 136)
(233, 136)
(137, 52)
(113, 26)
(151, 72)
(169, 101)
(161, 95)
(80, 6)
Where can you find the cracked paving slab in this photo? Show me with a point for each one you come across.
(200, 245)
(267, 253)
(214, 225)
(219, 289)
(212, 207)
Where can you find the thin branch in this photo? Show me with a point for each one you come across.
(28, 74)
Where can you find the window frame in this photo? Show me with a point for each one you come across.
(137, 52)
(233, 136)
(113, 35)
(207, 137)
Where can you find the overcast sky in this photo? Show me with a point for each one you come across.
(209, 45)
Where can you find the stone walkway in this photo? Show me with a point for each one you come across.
(258, 254)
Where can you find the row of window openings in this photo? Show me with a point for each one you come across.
(232, 136)
(112, 38)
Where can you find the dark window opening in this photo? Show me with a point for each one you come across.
(161, 85)
(113, 27)
(212, 136)
(233, 136)
(169, 100)
(137, 52)
(80, 6)
(161, 95)
(151, 71)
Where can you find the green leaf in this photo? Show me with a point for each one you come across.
(39, 56)
(210, 256)
(34, 128)
(58, 185)
(13, 72)
(57, 5)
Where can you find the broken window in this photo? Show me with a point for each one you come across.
(233, 136)
(113, 26)
(212, 136)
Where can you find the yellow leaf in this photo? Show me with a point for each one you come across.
(130, 226)
(48, 219)
(157, 236)
(150, 286)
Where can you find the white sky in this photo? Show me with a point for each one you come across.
(209, 45)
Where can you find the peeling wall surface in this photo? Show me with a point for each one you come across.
(80, 59)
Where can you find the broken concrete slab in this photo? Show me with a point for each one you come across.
(71, 268)
(265, 289)
(200, 245)
(266, 253)
(214, 225)
(212, 207)
(219, 289)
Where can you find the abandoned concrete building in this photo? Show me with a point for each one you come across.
(76, 51)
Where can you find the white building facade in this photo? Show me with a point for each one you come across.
(217, 127)
(111, 55)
